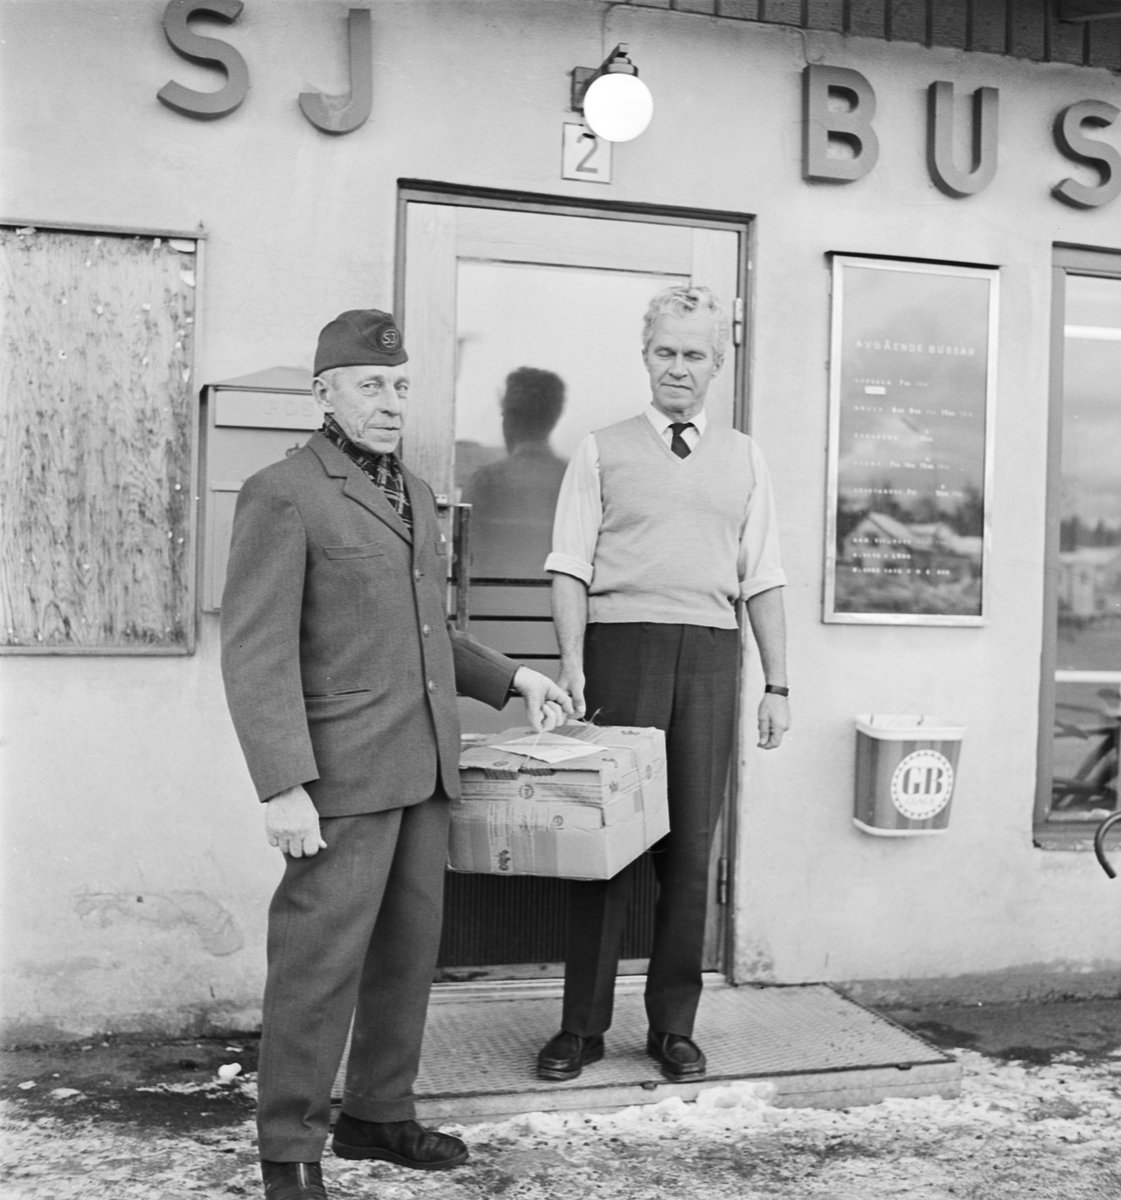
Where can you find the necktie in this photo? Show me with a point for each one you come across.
(679, 445)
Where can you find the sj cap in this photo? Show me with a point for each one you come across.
(358, 338)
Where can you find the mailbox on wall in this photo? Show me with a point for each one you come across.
(248, 423)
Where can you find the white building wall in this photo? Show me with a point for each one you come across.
(121, 776)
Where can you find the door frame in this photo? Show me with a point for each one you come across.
(1066, 260)
(425, 191)
(433, 192)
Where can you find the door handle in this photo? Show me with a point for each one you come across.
(461, 563)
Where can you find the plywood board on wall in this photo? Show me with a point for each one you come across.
(97, 442)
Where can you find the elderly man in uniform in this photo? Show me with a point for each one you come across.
(341, 677)
(663, 523)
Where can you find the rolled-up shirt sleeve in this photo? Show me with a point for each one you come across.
(579, 515)
(760, 567)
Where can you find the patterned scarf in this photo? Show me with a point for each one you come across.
(381, 469)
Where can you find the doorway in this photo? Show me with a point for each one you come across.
(524, 326)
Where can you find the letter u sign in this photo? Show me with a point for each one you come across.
(940, 140)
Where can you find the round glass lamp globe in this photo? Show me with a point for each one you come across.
(618, 107)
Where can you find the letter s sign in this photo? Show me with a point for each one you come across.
(211, 52)
(1077, 146)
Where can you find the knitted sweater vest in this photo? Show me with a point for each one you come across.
(668, 548)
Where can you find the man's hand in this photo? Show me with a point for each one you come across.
(292, 823)
(546, 704)
(571, 679)
(774, 720)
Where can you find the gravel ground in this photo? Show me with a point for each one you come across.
(1048, 1128)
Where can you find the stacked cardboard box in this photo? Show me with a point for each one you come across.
(581, 819)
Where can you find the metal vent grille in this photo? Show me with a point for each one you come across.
(491, 919)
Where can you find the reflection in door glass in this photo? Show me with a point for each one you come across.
(1088, 710)
(545, 354)
(513, 497)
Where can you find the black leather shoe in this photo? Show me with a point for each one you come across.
(293, 1181)
(568, 1054)
(406, 1143)
(680, 1057)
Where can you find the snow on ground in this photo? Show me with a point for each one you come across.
(1049, 1131)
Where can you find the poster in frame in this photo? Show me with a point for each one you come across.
(912, 382)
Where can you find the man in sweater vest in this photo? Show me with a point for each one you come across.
(663, 523)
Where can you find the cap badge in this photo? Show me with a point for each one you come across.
(388, 338)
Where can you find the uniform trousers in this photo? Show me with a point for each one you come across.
(682, 679)
(353, 930)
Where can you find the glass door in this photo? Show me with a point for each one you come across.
(524, 332)
(1082, 686)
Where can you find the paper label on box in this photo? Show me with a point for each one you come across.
(515, 831)
(554, 750)
(498, 841)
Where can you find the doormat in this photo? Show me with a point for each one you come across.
(817, 1047)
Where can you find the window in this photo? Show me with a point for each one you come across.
(1081, 692)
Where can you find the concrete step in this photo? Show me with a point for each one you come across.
(819, 1049)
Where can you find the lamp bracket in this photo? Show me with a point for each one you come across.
(616, 63)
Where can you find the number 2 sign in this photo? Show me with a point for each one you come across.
(584, 156)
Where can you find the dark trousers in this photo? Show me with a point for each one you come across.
(680, 678)
(355, 929)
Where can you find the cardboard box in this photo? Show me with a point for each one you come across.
(582, 819)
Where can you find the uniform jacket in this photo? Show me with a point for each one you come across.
(340, 670)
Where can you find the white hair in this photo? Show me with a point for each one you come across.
(681, 301)
(330, 377)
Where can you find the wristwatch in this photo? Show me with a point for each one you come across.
(776, 689)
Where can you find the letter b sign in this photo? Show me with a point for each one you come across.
(846, 129)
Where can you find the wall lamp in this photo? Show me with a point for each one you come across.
(616, 104)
